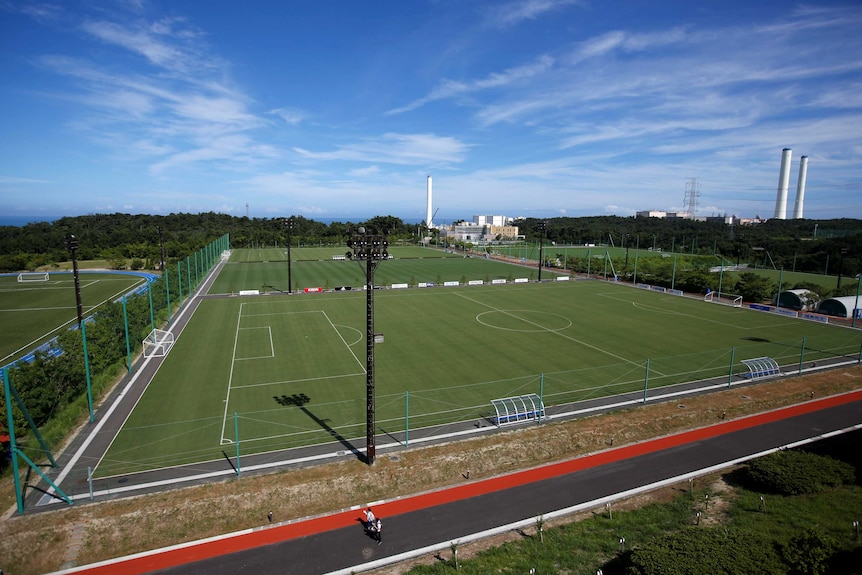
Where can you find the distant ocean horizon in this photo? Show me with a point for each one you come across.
(21, 221)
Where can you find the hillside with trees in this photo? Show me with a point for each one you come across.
(815, 246)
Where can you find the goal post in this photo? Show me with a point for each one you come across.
(724, 298)
(24, 277)
(158, 343)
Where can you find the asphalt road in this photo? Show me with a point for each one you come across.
(338, 544)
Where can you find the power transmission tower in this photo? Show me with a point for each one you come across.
(689, 202)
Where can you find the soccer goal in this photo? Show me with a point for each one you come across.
(158, 343)
(24, 277)
(724, 298)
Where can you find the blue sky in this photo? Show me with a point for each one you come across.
(340, 109)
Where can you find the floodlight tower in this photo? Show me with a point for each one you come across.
(843, 251)
(288, 228)
(372, 249)
(161, 250)
(543, 226)
(72, 246)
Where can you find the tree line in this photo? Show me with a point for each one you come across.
(815, 246)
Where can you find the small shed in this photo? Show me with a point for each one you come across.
(843, 306)
(796, 299)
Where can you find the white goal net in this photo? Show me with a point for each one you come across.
(724, 298)
(158, 343)
(33, 277)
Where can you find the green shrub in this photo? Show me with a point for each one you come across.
(798, 472)
(705, 551)
(808, 553)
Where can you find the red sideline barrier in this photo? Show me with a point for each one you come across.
(137, 565)
(313, 290)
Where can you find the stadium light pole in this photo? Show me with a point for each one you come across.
(843, 252)
(543, 226)
(161, 250)
(288, 228)
(626, 241)
(856, 306)
(72, 246)
(372, 249)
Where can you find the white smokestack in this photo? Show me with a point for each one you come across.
(800, 188)
(783, 180)
(428, 212)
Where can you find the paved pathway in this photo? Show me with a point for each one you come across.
(336, 544)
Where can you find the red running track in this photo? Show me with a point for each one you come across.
(208, 548)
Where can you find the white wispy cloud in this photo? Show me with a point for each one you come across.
(451, 88)
(392, 148)
(364, 172)
(289, 115)
(179, 111)
(167, 43)
(513, 13)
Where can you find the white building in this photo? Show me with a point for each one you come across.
(468, 232)
(492, 220)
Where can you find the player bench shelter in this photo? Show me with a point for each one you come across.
(510, 410)
(761, 367)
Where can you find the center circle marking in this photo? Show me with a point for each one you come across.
(533, 320)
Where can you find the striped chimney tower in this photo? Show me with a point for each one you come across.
(428, 213)
(800, 188)
(783, 181)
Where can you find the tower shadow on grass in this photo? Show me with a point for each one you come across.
(300, 400)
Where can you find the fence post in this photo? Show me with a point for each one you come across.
(180, 281)
(152, 317)
(730, 373)
(13, 444)
(167, 275)
(236, 437)
(87, 371)
(673, 276)
(128, 344)
(802, 355)
(407, 419)
(541, 394)
(646, 379)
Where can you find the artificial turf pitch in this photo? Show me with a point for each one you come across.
(289, 370)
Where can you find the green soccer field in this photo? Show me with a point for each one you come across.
(286, 371)
(266, 269)
(34, 312)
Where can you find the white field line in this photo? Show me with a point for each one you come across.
(106, 416)
(343, 341)
(61, 326)
(394, 444)
(303, 380)
(543, 328)
(271, 346)
(236, 359)
(71, 464)
(230, 376)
